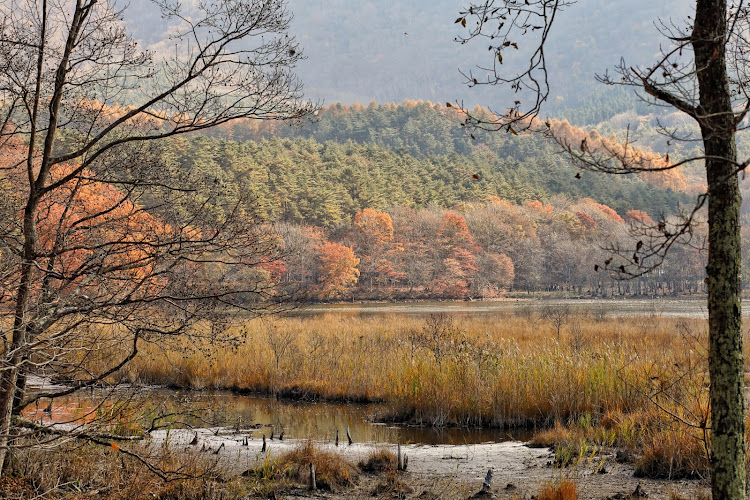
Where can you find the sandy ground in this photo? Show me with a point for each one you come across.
(446, 471)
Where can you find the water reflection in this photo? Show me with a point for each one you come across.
(256, 415)
(321, 420)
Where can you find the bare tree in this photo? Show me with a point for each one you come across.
(702, 72)
(557, 315)
(105, 243)
(439, 335)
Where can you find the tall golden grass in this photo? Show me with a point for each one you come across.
(505, 372)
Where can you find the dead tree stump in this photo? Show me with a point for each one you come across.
(313, 485)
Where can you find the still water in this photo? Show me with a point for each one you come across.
(321, 420)
(613, 308)
(256, 416)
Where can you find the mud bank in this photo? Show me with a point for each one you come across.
(440, 471)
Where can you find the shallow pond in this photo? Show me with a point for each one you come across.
(320, 420)
(257, 416)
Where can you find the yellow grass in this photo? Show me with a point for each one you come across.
(508, 372)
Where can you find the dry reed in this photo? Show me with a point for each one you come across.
(625, 382)
(503, 373)
(564, 489)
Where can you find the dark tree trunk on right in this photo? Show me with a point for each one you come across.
(717, 121)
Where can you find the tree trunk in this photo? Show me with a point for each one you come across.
(717, 122)
(15, 353)
(20, 393)
(7, 390)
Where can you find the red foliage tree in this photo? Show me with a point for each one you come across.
(373, 235)
(454, 233)
(374, 226)
(604, 209)
(587, 222)
(538, 205)
(458, 274)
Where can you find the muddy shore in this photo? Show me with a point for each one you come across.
(442, 471)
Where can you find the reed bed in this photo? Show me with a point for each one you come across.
(518, 370)
(585, 382)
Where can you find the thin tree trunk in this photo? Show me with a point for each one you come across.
(716, 118)
(7, 390)
(20, 393)
(8, 383)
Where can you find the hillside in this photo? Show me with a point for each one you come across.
(400, 201)
(415, 154)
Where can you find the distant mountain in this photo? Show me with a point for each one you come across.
(363, 50)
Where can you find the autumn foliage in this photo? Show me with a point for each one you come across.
(88, 224)
(655, 166)
(638, 217)
(338, 270)
(481, 249)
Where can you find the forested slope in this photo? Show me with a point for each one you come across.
(400, 201)
(416, 154)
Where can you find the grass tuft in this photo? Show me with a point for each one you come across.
(391, 486)
(332, 471)
(672, 454)
(562, 490)
(379, 461)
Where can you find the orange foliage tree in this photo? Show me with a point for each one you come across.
(455, 276)
(605, 210)
(87, 223)
(655, 166)
(338, 270)
(639, 217)
(376, 227)
(107, 244)
(454, 233)
(541, 207)
(373, 235)
(587, 222)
